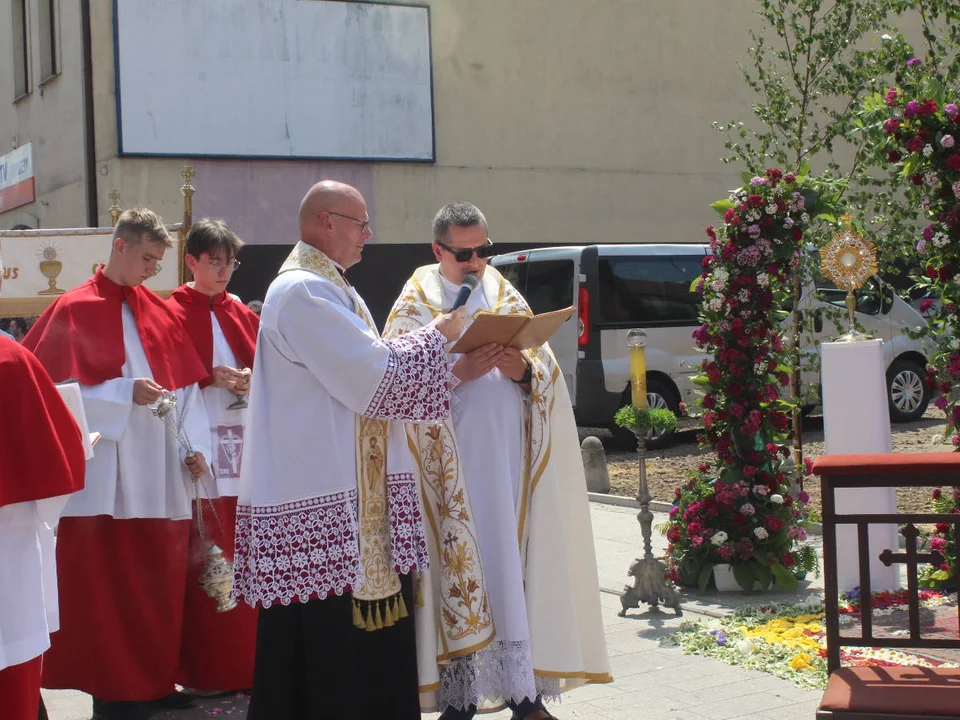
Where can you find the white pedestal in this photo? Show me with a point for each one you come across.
(856, 419)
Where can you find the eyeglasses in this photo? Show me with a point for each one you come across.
(462, 255)
(216, 265)
(364, 224)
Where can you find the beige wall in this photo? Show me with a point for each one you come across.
(563, 121)
(51, 117)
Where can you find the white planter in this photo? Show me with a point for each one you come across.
(725, 580)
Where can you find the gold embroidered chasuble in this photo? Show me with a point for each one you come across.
(456, 599)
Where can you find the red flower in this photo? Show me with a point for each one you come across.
(787, 559)
(774, 174)
(796, 233)
(929, 107)
(953, 162)
(674, 534)
(774, 524)
(730, 217)
(931, 272)
(916, 179)
(893, 156)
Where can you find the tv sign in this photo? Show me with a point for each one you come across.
(16, 178)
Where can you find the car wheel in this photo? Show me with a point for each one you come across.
(907, 392)
(659, 396)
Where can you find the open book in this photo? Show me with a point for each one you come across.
(70, 392)
(519, 331)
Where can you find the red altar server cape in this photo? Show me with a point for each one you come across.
(80, 336)
(239, 323)
(43, 458)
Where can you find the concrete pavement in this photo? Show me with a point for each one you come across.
(650, 681)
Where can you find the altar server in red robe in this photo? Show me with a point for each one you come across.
(218, 647)
(123, 542)
(41, 465)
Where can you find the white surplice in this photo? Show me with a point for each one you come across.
(488, 418)
(28, 579)
(137, 470)
(320, 364)
(227, 427)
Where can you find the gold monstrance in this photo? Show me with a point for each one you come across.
(849, 261)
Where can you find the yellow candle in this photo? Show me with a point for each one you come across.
(638, 376)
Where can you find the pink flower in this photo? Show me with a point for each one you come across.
(947, 141)
(951, 109)
(891, 97)
(938, 544)
(912, 109)
(891, 126)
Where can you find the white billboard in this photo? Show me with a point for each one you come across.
(274, 79)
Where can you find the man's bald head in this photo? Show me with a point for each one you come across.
(333, 219)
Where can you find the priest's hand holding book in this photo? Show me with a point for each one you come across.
(451, 325)
(479, 362)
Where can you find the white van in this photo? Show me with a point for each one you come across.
(619, 287)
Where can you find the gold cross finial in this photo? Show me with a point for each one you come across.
(114, 197)
(846, 219)
(188, 174)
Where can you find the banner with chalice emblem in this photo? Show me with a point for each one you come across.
(40, 265)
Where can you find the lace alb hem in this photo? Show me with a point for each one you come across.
(407, 535)
(500, 673)
(414, 386)
(297, 551)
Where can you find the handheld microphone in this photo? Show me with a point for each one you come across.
(467, 286)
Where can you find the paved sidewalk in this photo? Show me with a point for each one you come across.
(650, 681)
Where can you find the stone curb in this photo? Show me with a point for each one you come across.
(657, 506)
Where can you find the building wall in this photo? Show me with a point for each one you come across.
(51, 117)
(566, 122)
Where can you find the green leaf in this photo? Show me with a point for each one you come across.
(721, 206)
(785, 579)
(762, 574)
(703, 579)
(744, 576)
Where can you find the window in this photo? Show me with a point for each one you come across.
(549, 285)
(872, 298)
(649, 291)
(48, 39)
(21, 77)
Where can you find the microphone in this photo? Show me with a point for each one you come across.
(467, 286)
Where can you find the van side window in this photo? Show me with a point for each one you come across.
(649, 291)
(549, 285)
(870, 297)
(516, 275)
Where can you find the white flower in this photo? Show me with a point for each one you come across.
(922, 245)
(746, 646)
(927, 150)
(956, 189)
(718, 285)
(778, 499)
(760, 533)
(763, 279)
(716, 304)
(925, 204)
(931, 179)
(940, 240)
(805, 218)
(761, 490)
(956, 279)
(719, 538)
(947, 141)
(771, 209)
(747, 509)
(788, 223)
(955, 344)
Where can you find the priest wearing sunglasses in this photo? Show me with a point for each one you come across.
(517, 591)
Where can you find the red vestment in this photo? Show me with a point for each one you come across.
(41, 456)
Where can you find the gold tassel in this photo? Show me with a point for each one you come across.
(402, 609)
(418, 601)
(378, 619)
(358, 616)
(371, 626)
(388, 613)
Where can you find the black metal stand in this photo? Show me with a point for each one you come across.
(650, 584)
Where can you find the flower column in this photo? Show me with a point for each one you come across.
(740, 508)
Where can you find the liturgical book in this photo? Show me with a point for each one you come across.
(518, 331)
(70, 392)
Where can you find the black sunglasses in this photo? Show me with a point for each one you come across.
(464, 255)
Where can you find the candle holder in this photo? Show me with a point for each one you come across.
(650, 584)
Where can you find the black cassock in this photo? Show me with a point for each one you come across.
(314, 663)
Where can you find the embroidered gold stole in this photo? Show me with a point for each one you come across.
(377, 603)
(465, 622)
